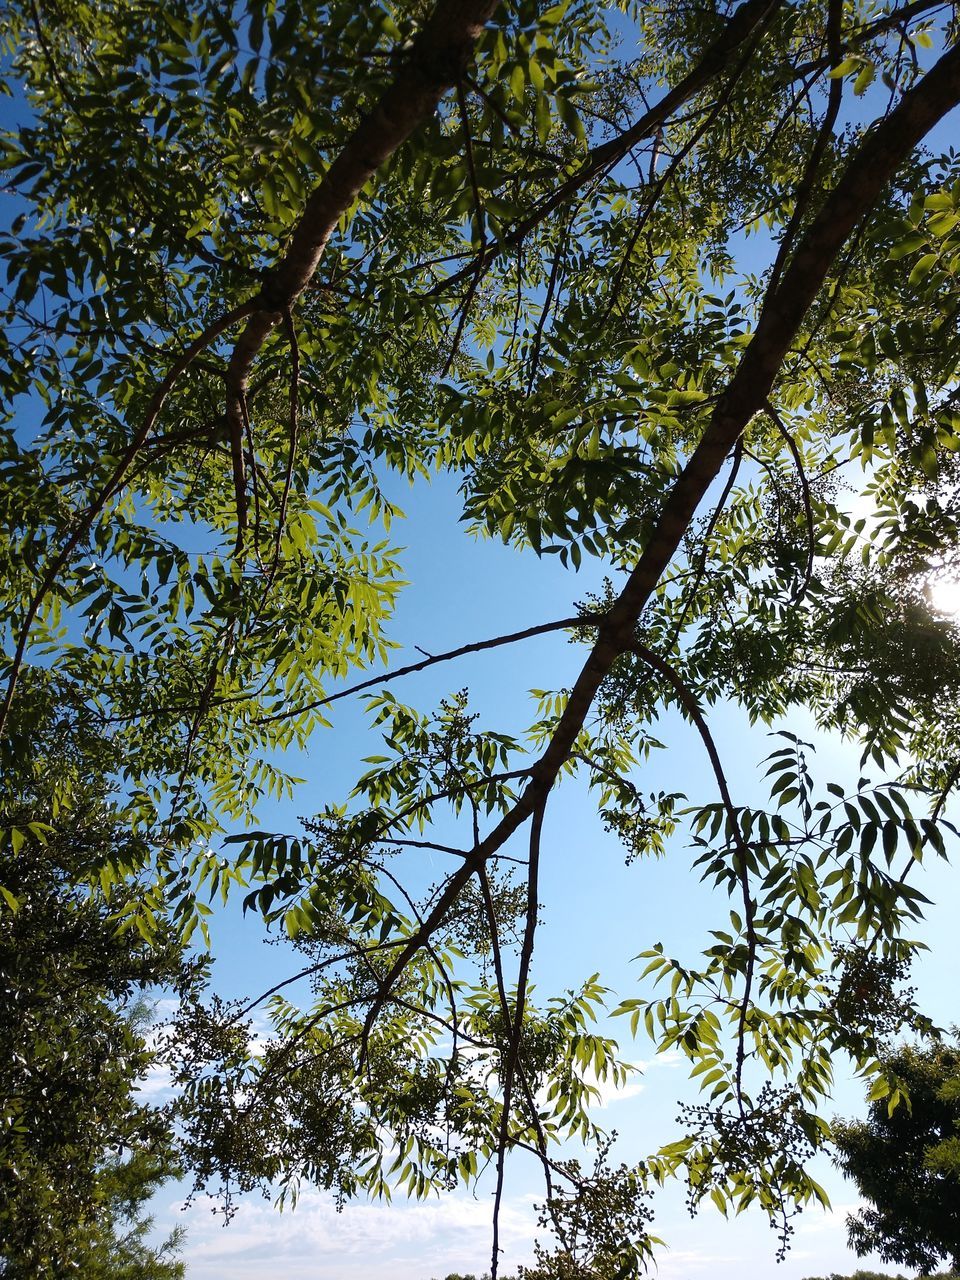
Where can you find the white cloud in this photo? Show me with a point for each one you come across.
(833, 1219)
(669, 1058)
(362, 1242)
(610, 1092)
(684, 1262)
(156, 1085)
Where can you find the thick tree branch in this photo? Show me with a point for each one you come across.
(436, 63)
(872, 166)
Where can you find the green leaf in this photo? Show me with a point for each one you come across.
(922, 268)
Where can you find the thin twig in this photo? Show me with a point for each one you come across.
(479, 646)
(480, 219)
(497, 110)
(516, 1031)
(254, 485)
(689, 704)
(505, 1007)
(555, 267)
(694, 587)
(951, 782)
(824, 134)
(749, 17)
(308, 972)
(672, 169)
(117, 477)
(293, 437)
(804, 585)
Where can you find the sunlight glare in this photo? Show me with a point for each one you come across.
(944, 595)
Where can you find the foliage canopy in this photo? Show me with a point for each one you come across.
(907, 1164)
(82, 1151)
(674, 289)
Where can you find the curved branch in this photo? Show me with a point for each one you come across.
(748, 18)
(505, 1007)
(516, 1031)
(775, 418)
(308, 972)
(86, 520)
(690, 705)
(944, 796)
(676, 164)
(294, 436)
(714, 520)
(478, 213)
(555, 268)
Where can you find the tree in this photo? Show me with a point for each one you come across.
(115, 1245)
(906, 1163)
(82, 1152)
(264, 258)
(862, 1275)
(879, 1275)
(456, 1275)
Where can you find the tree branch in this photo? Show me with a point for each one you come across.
(437, 61)
(807, 502)
(824, 134)
(479, 646)
(873, 165)
(748, 18)
(516, 1031)
(87, 518)
(689, 704)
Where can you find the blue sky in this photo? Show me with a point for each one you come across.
(597, 914)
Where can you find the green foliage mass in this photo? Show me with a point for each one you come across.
(670, 291)
(882, 1275)
(906, 1164)
(859, 1275)
(114, 1244)
(82, 1152)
